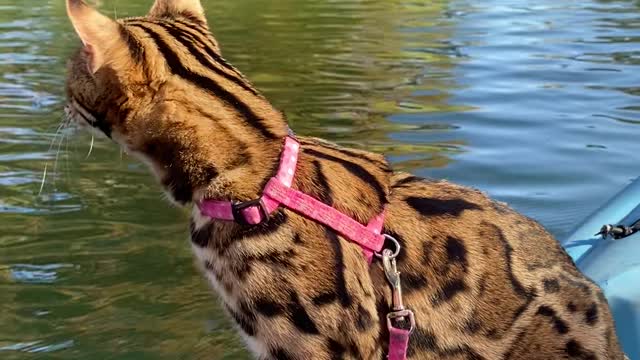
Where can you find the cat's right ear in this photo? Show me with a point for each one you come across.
(97, 32)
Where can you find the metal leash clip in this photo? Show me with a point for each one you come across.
(618, 232)
(399, 314)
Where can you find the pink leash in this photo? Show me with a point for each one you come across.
(278, 192)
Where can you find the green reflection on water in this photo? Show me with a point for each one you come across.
(98, 265)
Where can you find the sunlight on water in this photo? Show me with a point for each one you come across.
(533, 102)
(37, 347)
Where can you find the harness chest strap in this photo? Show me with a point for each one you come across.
(368, 237)
(278, 192)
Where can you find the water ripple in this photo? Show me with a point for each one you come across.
(36, 274)
(38, 346)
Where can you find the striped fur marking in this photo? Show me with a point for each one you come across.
(177, 68)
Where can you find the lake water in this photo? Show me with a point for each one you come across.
(534, 102)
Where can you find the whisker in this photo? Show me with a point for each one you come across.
(90, 147)
(55, 135)
(55, 164)
(64, 121)
(44, 177)
(67, 167)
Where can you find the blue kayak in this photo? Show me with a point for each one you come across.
(613, 260)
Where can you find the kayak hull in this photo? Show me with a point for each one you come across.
(614, 264)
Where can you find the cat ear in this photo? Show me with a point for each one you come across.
(177, 7)
(96, 31)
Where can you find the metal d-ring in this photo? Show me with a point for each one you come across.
(395, 242)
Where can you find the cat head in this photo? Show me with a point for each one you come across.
(114, 71)
(158, 86)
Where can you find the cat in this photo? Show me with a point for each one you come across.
(483, 281)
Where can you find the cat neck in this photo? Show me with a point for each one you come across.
(199, 150)
(246, 176)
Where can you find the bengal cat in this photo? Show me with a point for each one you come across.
(483, 281)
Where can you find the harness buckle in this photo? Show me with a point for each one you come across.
(237, 208)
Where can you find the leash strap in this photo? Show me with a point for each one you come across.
(398, 343)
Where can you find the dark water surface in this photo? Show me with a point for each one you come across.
(535, 102)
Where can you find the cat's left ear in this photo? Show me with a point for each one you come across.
(171, 8)
(97, 32)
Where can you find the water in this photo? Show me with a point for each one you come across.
(534, 102)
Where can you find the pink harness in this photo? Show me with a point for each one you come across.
(278, 192)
